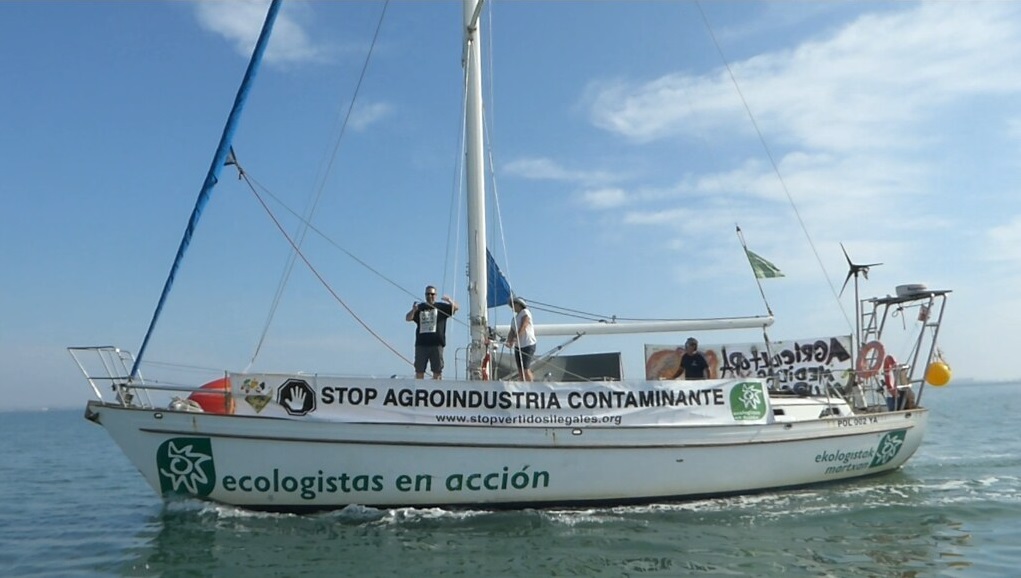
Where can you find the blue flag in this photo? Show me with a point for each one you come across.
(498, 291)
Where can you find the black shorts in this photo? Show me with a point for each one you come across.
(523, 356)
(431, 355)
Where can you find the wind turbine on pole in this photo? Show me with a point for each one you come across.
(854, 270)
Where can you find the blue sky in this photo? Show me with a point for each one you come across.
(623, 157)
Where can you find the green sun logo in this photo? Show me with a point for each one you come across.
(748, 401)
(888, 448)
(185, 466)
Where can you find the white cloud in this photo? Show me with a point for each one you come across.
(240, 22)
(859, 89)
(1004, 242)
(659, 217)
(548, 170)
(861, 122)
(608, 198)
(365, 115)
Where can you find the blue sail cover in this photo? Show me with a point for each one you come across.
(214, 170)
(498, 292)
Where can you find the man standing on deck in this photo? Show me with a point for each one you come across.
(430, 331)
(693, 363)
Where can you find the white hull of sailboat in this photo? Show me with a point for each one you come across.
(291, 465)
(308, 442)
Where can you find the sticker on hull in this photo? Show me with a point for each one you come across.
(185, 466)
(842, 461)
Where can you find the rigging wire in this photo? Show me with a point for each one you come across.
(264, 191)
(489, 112)
(253, 182)
(566, 312)
(314, 271)
(457, 187)
(772, 160)
(320, 187)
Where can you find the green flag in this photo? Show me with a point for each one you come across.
(763, 269)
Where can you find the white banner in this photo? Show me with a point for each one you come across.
(796, 364)
(552, 404)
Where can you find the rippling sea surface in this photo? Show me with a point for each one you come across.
(72, 505)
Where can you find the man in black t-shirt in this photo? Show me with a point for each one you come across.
(693, 363)
(430, 331)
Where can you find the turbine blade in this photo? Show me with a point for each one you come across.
(846, 279)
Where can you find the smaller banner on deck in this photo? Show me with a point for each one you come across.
(801, 365)
(494, 403)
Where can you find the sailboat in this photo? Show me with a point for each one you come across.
(305, 442)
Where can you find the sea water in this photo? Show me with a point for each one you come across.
(72, 505)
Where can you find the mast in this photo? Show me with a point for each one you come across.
(475, 176)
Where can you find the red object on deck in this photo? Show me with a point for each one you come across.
(218, 402)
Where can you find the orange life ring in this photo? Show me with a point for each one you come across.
(870, 359)
(889, 366)
(485, 367)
